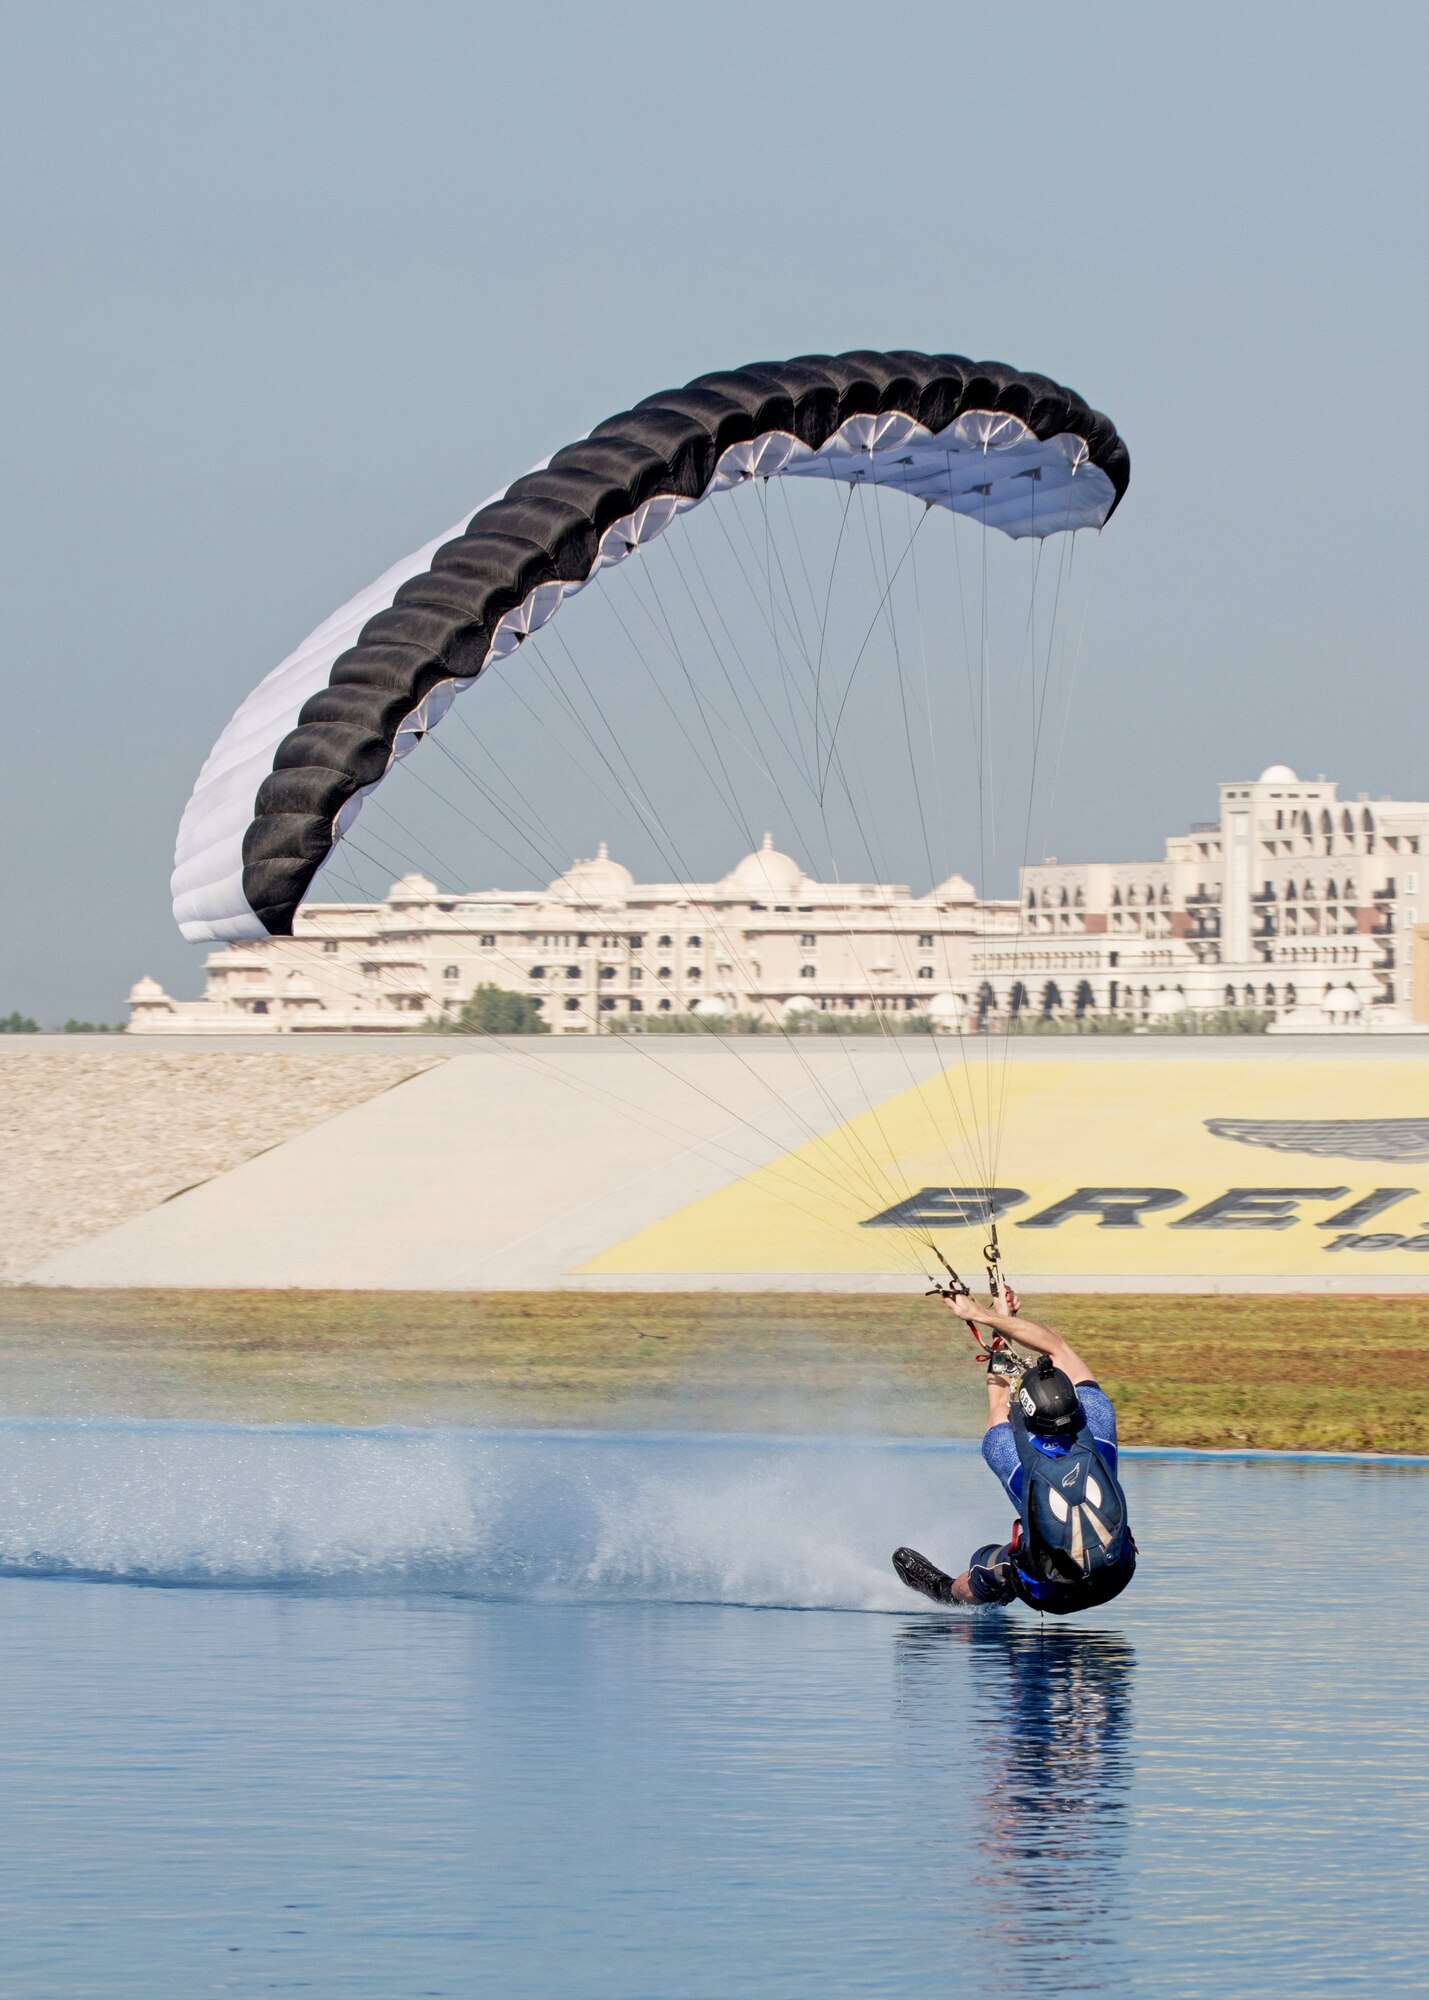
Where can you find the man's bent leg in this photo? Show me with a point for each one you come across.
(987, 1578)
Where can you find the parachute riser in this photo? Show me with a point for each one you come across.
(957, 1287)
(992, 1258)
(1004, 1298)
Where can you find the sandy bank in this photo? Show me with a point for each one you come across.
(92, 1136)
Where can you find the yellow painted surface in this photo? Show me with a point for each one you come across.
(1103, 1125)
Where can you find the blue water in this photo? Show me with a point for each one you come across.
(396, 1715)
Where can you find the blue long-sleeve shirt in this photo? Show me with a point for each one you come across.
(999, 1447)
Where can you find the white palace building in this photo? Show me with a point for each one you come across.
(1293, 903)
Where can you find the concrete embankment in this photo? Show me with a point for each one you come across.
(95, 1132)
(689, 1164)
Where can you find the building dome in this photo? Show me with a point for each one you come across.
(957, 889)
(600, 880)
(945, 1011)
(767, 873)
(412, 888)
(148, 1003)
(1278, 774)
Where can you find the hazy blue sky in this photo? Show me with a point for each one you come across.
(285, 287)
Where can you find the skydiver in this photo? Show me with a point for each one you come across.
(1051, 1441)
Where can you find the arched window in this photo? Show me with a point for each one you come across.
(637, 1006)
(1230, 996)
(1116, 899)
(1079, 901)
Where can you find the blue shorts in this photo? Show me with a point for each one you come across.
(990, 1574)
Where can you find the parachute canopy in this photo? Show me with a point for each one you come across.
(287, 777)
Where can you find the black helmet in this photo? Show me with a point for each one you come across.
(1048, 1400)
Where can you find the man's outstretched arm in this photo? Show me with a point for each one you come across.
(1027, 1333)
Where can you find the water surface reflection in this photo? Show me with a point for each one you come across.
(1047, 1767)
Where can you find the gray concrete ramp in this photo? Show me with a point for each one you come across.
(502, 1168)
(523, 1164)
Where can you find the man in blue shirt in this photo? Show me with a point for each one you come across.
(1074, 1549)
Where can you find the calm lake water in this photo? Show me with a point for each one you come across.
(305, 1711)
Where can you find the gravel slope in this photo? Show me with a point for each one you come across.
(90, 1137)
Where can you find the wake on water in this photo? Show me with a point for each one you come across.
(516, 1516)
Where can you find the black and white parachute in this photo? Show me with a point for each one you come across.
(287, 777)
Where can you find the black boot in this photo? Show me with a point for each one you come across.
(919, 1574)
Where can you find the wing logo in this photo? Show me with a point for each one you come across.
(1079, 1517)
(1330, 1138)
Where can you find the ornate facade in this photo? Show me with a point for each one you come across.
(596, 947)
(1292, 903)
